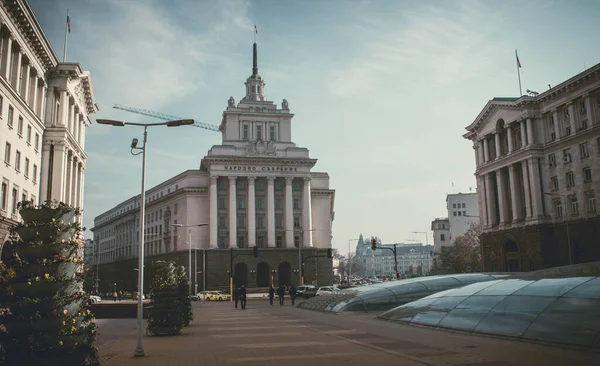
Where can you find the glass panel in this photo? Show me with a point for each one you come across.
(408, 310)
(354, 304)
(411, 297)
(381, 292)
(443, 283)
(408, 288)
(571, 320)
(468, 313)
(551, 286)
(469, 278)
(513, 315)
(505, 287)
(472, 289)
(590, 289)
(437, 310)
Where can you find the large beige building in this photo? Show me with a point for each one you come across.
(44, 110)
(538, 174)
(256, 188)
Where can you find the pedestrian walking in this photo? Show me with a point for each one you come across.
(115, 296)
(236, 296)
(293, 293)
(281, 293)
(243, 297)
(271, 294)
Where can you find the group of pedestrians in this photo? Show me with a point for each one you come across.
(281, 294)
(239, 294)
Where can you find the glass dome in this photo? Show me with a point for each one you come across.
(387, 295)
(565, 310)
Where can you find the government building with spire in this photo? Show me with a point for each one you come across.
(256, 189)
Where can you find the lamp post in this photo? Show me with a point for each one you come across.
(139, 350)
(566, 221)
(350, 261)
(190, 249)
(301, 273)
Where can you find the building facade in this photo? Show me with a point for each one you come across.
(44, 109)
(441, 234)
(463, 211)
(256, 188)
(538, 173)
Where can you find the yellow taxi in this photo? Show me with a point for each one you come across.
(217, 296)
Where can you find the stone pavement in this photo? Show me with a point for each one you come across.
(268, 335)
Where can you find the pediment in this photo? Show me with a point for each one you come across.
(492, 113)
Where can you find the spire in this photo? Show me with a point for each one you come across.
(255, 61)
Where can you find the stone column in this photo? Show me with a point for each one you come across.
(68, 173)
(57, 174)
(481, 151)
(476, 150)
(502, 197)
(307, 215)
(232, 213)
(7, 57)
(271, 212)
(526, 192)
(74, 191)
(490, 199)
(572, 118)
(251, 213)
(536, 194)
(589, 110)
(557, 125)
(213, 216)
(515, 193)
(44, 171)
(34, 96)
(523, 133)
(486, 150)
(76, 124)
(530, 137)
(63, 109)
(289, 213)
(481, 192)
(81, 188)
(71, 117)
(509, 134)
(43, 101)
(497, 141)
(17, 72)
(25, 83)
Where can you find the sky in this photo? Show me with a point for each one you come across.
(381, 90)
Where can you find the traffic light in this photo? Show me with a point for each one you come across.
(329, 253)
(255, 252)
(373, 243)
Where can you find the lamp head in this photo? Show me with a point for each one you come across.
(134, 143)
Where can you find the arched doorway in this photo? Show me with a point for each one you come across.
(285, 274)
(263, 275)
(513, 257)
(241, 274)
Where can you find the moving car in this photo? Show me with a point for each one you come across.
(306, 291)
(217, 296)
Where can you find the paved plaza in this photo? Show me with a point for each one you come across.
(266, 335)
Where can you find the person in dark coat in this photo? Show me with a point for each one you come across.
(243, 297)
(281, 293)
(271, 294)
(236, 295)
(293, 293)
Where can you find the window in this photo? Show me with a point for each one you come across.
(11, 113)
(245, 132)
(598, 144)
(222, 222)
(33, 199)
(26, 167)
(296, 204)
(297, 241)
(36, 146)
(552, 160)
(584, 150)
(24, 196)
(28, 134)
(582, 107)
(566, 155)
(278, 185)
(34, 175)
(464, 205)
(241, 221)
(241, 242)
(459, 213)
(279, 221)
(4, 197)
(259, 132)
(260, 241)
(260, 221)
(279, 242)
(570, 179)
(454, 205)
(260, 203)
(18, 161)
(15, 194)
(7, 153)
(297, 222)
(175, 209)
(241, 184)
(590, 198)
(297, 186)
(260, 185)
(20, 127)
(278, 203)
(587, 174)
(1, 105)
(272, 133)
(442, 237)
(574, 205)
(454, 213)
(241, 203)
(222, 184)
(222, 203)
(554, 181)
(464, 213)
(558, 208)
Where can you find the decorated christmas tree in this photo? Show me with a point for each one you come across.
(183, 295)
(165, 316)
(48, 320)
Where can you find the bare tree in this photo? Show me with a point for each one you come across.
(465, 255)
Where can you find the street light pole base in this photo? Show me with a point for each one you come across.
(139, 352)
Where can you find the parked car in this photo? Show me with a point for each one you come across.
(95, 299)
(217, 296)
(306, 291)
(325, 290)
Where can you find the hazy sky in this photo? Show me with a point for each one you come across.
(381, 90)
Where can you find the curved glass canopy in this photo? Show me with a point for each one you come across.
(387, 295)
(565, 310)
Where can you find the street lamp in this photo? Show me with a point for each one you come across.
(190, 249)
(566, 221)
(139, 350)
(349, 261)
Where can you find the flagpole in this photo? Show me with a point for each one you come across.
(519, 74)
(66, 37)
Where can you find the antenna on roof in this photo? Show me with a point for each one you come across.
(549, 86)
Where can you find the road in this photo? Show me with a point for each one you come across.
(265, 335)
